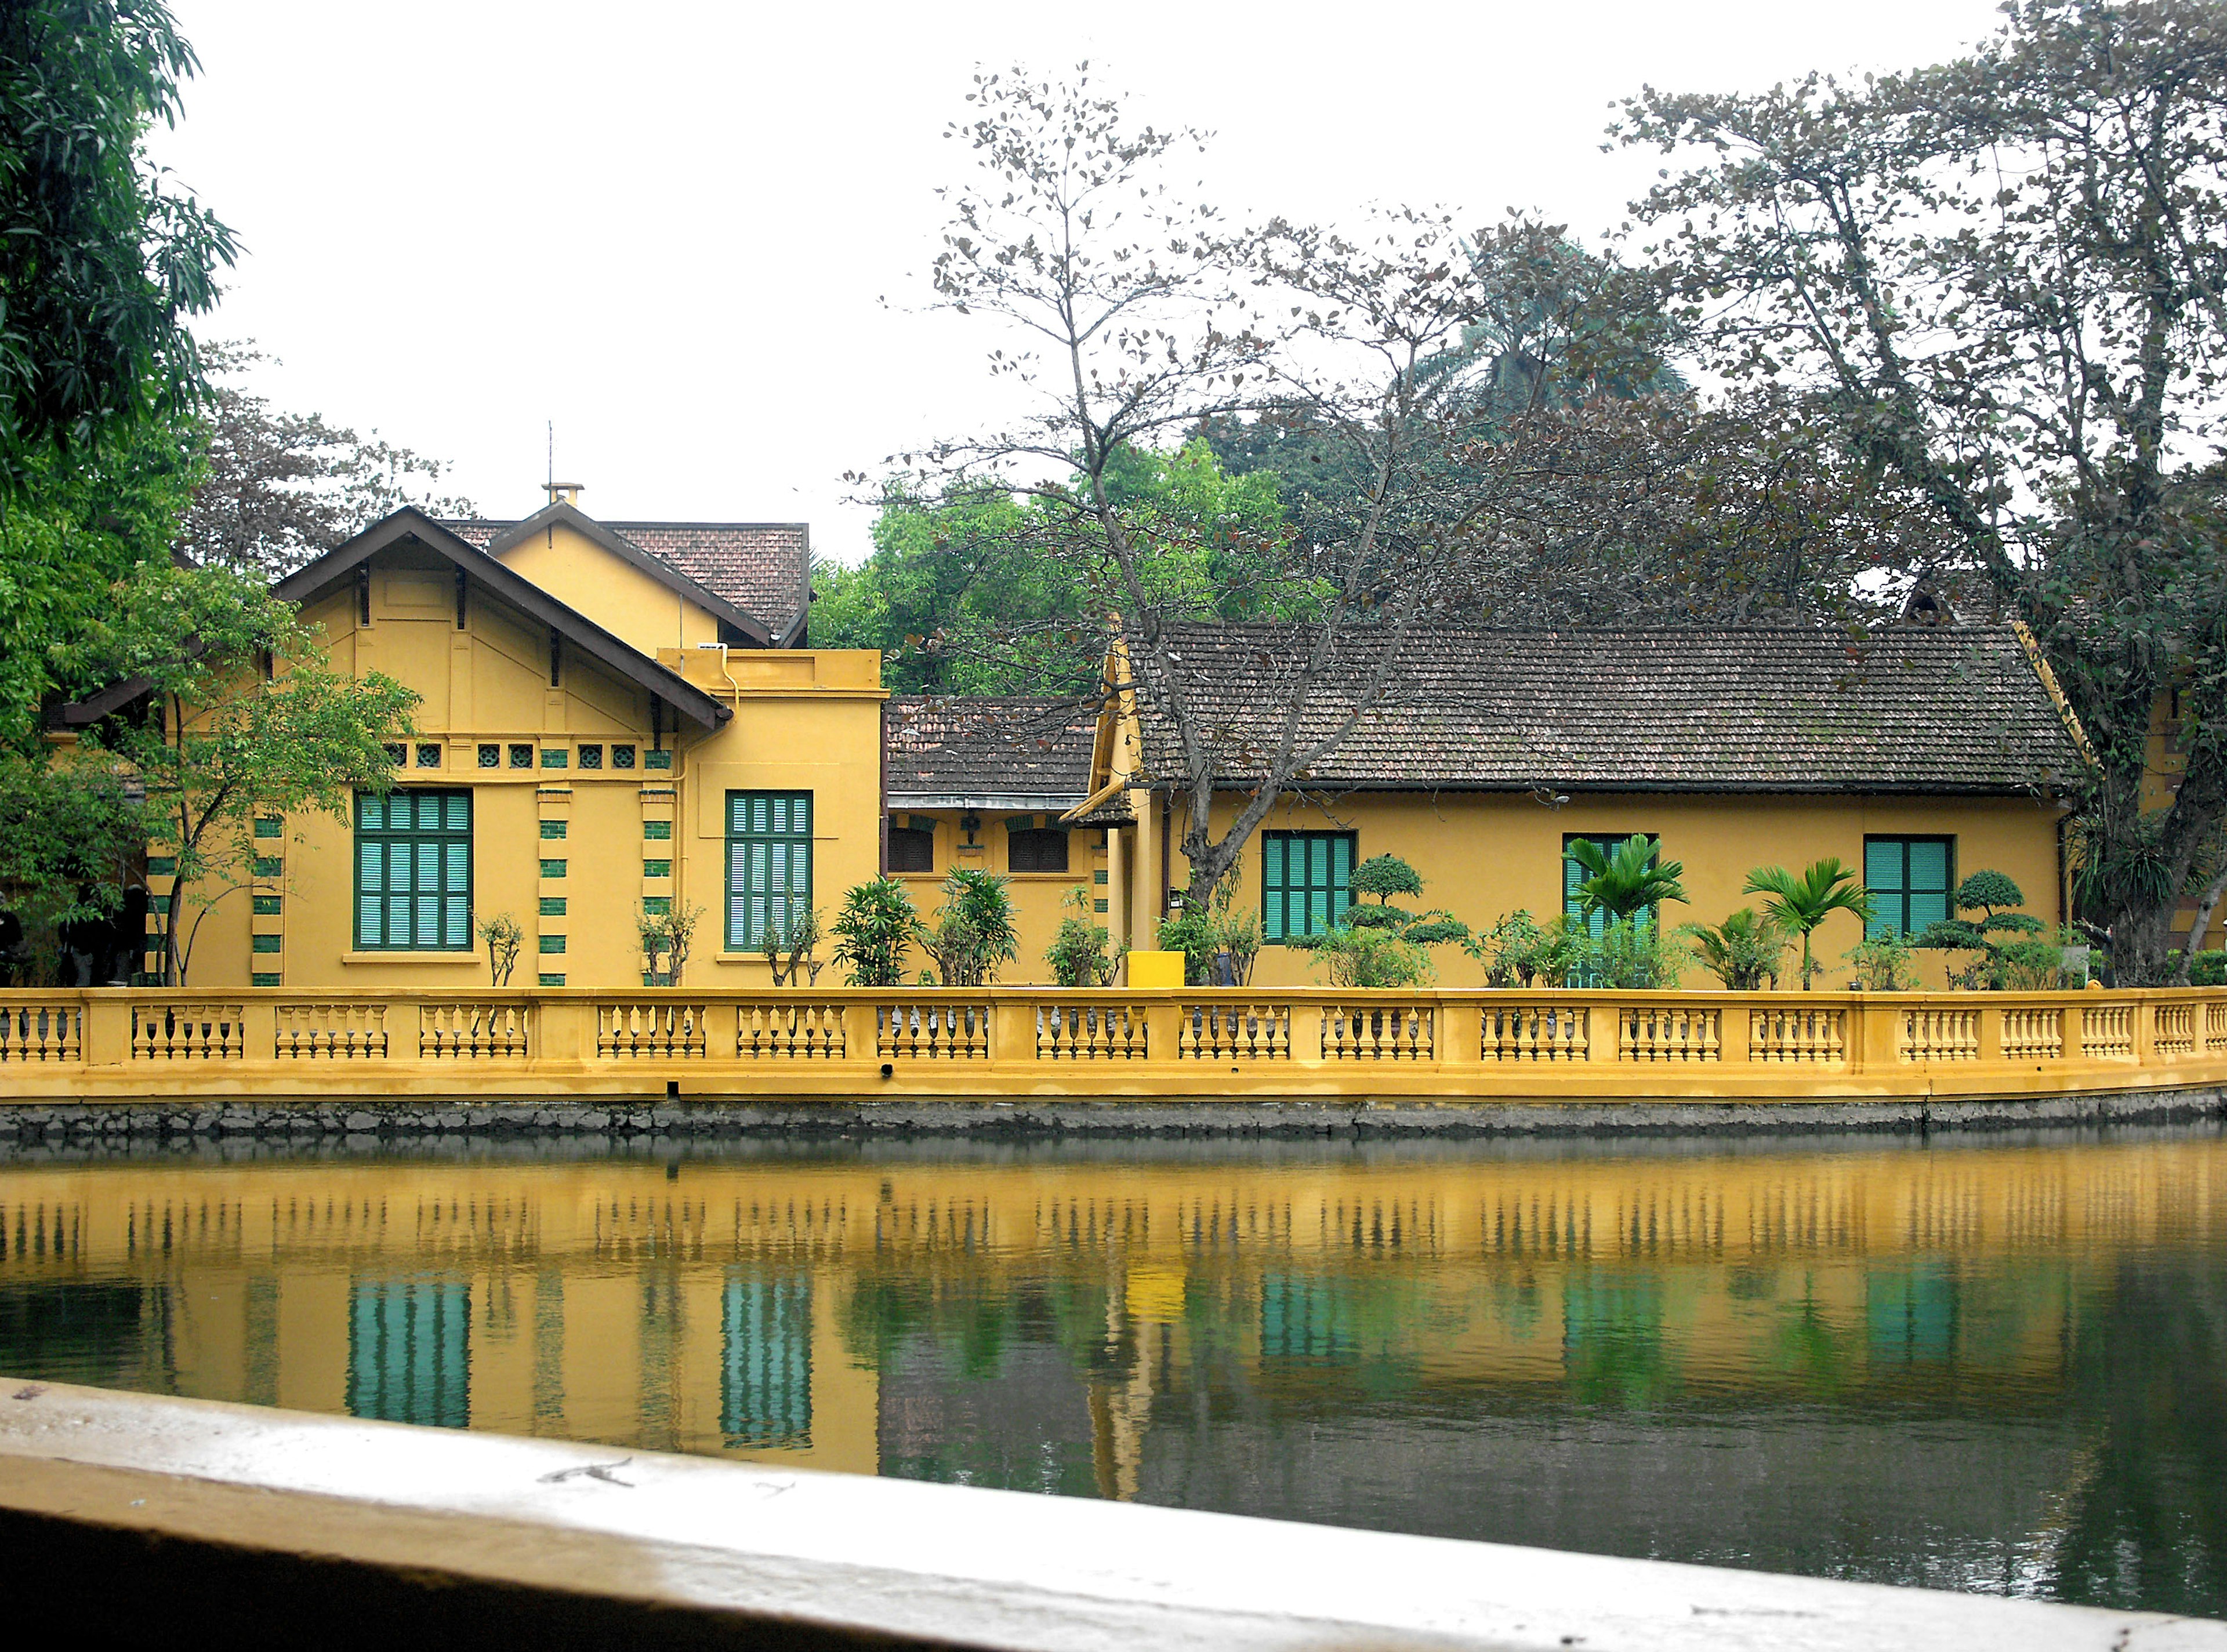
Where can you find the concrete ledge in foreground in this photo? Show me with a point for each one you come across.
(170, 1520)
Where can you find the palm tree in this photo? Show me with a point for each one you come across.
(1804, 902)
(1625, 879)
(1743, 952)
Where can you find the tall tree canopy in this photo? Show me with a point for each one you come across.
(2002, 283)
(100, 258)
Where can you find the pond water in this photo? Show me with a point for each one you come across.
(1981, 1363)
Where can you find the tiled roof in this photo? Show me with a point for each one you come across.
(988, 746)
(764, 568)
(1953, 710)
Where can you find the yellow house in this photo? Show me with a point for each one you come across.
(616, 720)
(984, 783)
(1920, 756)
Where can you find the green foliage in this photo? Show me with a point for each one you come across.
(1884, 965)
(791, 952)
(1634, 955)
(2208, 969)
(1220, 930)
(1080, 953)
(1384, 876)
(961, 597)
(503, 937)
(1803, 904)
(1627, 879)
(1516, 950)
(1350, 956)
(974, 930)
(666, 938)
(873, 931)
(1995, 965)
(100, 262)
(1745, 952)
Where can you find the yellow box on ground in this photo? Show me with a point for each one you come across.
(1155, 969)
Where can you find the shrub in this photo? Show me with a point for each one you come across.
(1995, 965)
(1629, 878)
(1743, 952)
(2208, 969)
(666, 936)
(794, 954)
(502, 937)
(1886, 965)
(1079, 954)
(873, 931)
(973, 931)
(1634, 955)
(1800, 904)
(1352, 956)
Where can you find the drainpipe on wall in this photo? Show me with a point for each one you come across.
(1167, 825)
(883, 784)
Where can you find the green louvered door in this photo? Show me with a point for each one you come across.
(413, 871)
(1306, 882)
(769, 864)
(1909, 879)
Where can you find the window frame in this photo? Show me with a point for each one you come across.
(1039, 834)
(736, 932)
(1340, 894)
(1878, 928)
(441, 837)
(910, 832)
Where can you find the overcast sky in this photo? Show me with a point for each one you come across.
(669, 227)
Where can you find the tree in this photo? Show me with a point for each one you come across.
(1804, 902)
(1996, 964)
(1745, 952)
(242, 718)
(1626, 879)
(278, 490)
(100, 259)
(1132, 320)
(974, 931)
(2000, 282)
(872, 931)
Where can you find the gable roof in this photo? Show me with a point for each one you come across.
(986, 752)
(756, 575)
(409, 526)
(1949, 710)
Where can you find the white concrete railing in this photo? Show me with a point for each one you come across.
(158, 1519)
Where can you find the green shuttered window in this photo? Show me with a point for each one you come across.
(413, 871)
(769, 864)
(1306, 882)
(1909, 879)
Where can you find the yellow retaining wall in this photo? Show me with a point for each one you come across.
(927, 1043)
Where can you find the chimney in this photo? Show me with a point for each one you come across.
(564, 492)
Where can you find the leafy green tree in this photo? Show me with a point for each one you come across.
(1996, 282)
(100, 259)
(1802, 903)
(1745, 952)
(974, 931)
(1079, 955)
(242, 717)
(1996, 963)
(1627, 879)
(873, 930)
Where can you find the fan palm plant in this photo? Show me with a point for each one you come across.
(1803, 903)
(1626, 878)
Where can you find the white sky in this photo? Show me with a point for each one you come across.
(667, 227)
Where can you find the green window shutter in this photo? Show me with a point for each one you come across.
(553, 906)
(265, 979)
(1306, 882)
(552, 869)
(552, 943)
(1910, 880)
(162, 865)
(657, 831)
(550, 980)
(769, 864)
(413, 871)
(269, 866)
(267, 906)
(269, 943)
(657, 868)
(657, 905)
(267, 828)
(552, 831)
(1882, 876)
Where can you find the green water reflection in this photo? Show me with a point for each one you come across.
(1983, 1364)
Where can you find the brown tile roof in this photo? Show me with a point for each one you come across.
(764, 568)
(1030, 750)
(1958, 710)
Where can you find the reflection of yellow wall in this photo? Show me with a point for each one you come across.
(1483, 855)
(1037, 896)
(804, 721)
(597, 1289)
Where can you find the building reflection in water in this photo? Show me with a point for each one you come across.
(1981, 1365)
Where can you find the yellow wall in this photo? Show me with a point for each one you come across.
(1037, 896)
(804, 721)
(1482, 855)
(631, 605)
